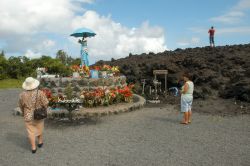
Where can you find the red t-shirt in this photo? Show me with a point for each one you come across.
(211, 32)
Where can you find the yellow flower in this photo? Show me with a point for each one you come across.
(115, 69)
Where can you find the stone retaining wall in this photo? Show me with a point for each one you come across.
(58, 85)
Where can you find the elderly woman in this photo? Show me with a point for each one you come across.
(187, 98)
(30, 99)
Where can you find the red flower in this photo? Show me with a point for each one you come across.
(47, 92)
(97, 68)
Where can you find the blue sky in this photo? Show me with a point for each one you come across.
(34, 27)
(177, 17)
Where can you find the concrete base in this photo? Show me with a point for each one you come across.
(154, 101)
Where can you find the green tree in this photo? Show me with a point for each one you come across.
(19, 67)
(27, 68)
(76, 61)
(69, 60)
(4, 65)
(2, 54)
(62, 56)
(14, 68)
(54, 66)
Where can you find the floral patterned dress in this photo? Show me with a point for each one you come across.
(28, 100)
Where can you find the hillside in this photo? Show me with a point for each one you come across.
(223, 71)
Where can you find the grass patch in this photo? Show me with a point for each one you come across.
(11, 83)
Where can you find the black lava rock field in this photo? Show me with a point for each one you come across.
(223, 71)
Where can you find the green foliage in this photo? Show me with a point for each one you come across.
(2, 54)
(62, 56)
(69, 92)
(4, 64)
(15, 68)
(21, 67)
(76, 61)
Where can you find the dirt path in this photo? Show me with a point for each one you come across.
(150, 136)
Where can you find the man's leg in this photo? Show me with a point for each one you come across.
(210, 41)
(213, 41)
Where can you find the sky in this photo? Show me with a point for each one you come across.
(42, 27)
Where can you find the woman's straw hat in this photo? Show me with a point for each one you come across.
(30, 83)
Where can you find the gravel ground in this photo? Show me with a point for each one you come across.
(150, 136)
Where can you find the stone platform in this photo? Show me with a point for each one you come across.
(58, 85)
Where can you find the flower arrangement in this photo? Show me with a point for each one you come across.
(52, 99)
(98, 68)
(75, 68)
(106, 70)
(95, 97)
(47, 93)
(83, 70)
(115, 69)
(105, 96)
(126, 93)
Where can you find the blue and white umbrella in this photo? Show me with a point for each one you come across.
(83, 32)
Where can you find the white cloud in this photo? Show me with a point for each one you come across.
(39, 49)
(242, 5)
(30, 54)
(27, 26)
(184, 42)
(115, 40)
(48, 43)
(230, 17)
(234, 15)
(198, 30)
(85, 1)
(195, 40)
(234, 30)
(35, 16)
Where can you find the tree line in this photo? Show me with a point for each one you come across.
(22, 66)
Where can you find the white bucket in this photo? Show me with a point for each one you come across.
(76, 75)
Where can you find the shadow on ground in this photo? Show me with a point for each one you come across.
(65, 123)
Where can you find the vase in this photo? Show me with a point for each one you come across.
(94, 74)
(76, 75)
(103, 74)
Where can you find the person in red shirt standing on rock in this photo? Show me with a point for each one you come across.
(211, 32)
